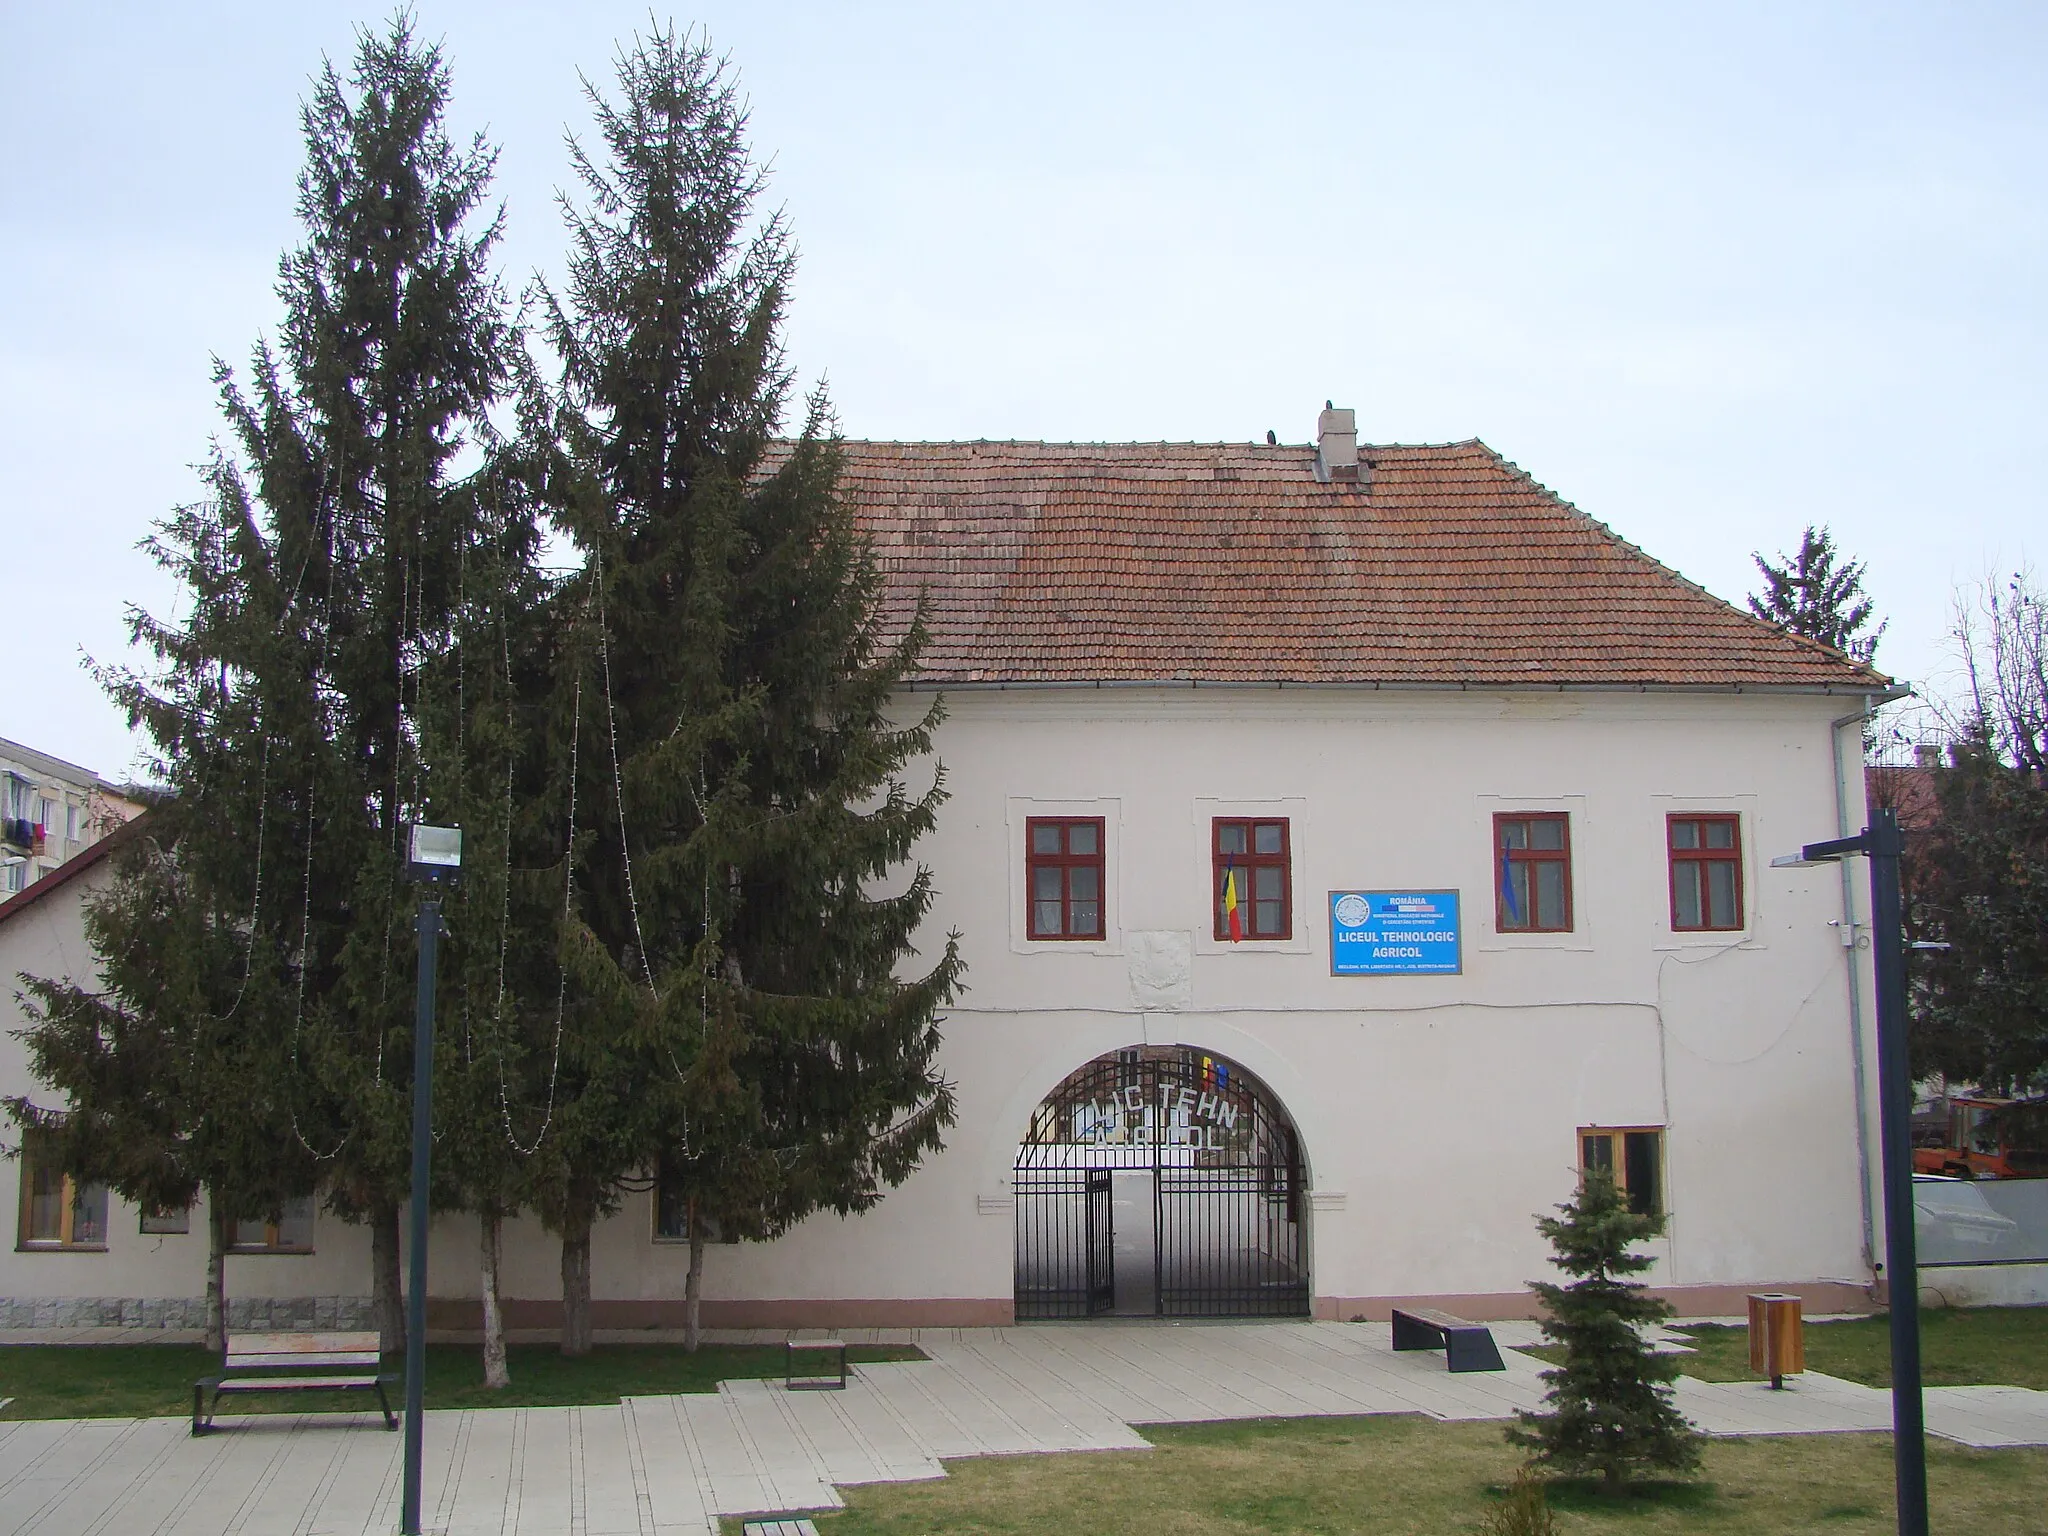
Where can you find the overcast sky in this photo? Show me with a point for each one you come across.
(1711, 273)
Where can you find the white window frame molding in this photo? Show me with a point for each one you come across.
(1751, 934)
(1311, 913)
(1018, 811)
(1479, 922)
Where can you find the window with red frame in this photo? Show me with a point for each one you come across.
(1532, 872)
(1706, 873)
(1063, 872)
(1252, 855)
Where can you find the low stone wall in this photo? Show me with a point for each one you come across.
(256, 1314)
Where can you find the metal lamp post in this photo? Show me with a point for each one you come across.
(1882, 844)
(433, 857)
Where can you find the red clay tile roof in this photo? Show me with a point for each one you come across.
(1227, 563)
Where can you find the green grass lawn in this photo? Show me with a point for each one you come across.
(1959, 1347)
(1321, 1477)
(121, 1381)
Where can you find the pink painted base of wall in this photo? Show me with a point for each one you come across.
(461, 1315)
(1819, 1297)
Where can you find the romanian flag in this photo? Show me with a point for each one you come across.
(1232, 923)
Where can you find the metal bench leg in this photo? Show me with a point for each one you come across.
(198, 1406)
(390, 1419)
(1411, 1334)
(1472, 1349)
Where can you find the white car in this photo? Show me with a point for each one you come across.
(1956, 1210)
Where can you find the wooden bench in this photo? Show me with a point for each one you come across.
(316, 1362)
(1467, 1346)
(827, 1374)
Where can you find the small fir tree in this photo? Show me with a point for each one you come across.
(1610, 1402)
(1809, 594)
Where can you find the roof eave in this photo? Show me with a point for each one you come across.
(1877, 691)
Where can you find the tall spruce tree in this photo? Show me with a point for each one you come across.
(1977, 871)
(1979, 888)
(1610, 1410)
(326, 575)
(1809, 594)
(397, 345)
(482, 733)
(734, 1012)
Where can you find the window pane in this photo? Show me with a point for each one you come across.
(1720, 834)
(252, 1234)
(1550, 894)
(1045, 838)
(1267, 918)
(1685, 834)
(1266, 837)
(1086, 917)
(1721, 894)
(1514, 905)
(1597, 1152)
(671, 1210)
(1266, 882)
(45, 1204)
(1045, 884)
(1045, 917)
(1546, 834)
(1685, 895)
(1230, 837)
(1081, 837)
(1514, 834)
(295, 1223)
(1642, 1172)
(1083, 883)
(89, 1215)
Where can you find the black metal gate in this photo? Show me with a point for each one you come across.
(1220, 1167)
(1066, 1240)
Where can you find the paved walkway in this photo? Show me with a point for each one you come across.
(669, 1466)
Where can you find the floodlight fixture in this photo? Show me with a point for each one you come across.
(433, 855)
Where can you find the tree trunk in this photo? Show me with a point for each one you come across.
(576, 1285)
(693, 1285)
(387, 1298)
(216, 1274)
(495, 1373)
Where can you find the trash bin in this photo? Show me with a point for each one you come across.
(1777, 1337)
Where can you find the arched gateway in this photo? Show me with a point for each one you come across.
(1160, 1181)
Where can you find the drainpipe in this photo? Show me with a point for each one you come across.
(1849, 933)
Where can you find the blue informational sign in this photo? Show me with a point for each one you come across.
(1394, 933)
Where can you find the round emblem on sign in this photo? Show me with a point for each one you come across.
(1353, 911)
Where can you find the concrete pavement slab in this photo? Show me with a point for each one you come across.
(671, 1465)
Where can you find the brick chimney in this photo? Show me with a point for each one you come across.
(1337, 446)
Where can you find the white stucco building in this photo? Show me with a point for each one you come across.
(1496, 796)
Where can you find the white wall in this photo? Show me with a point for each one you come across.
(1437, 1114)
